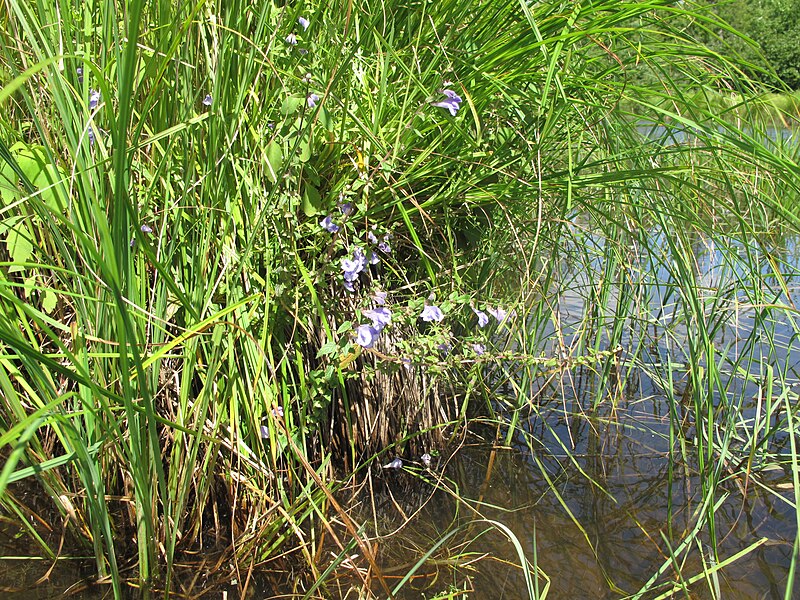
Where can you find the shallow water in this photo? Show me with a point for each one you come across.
(603, 496)
(603, 537)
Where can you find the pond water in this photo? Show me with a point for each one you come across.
(605, 494)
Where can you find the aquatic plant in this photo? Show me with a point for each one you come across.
(183, 359)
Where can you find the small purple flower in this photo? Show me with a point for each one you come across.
(291, 39)
(351, 267)
(79, 72)
(366, 336)
(379, 298)
(346, 208)
(302, 51)
(498, 313)
(374, 259)
(371, 238)
(304, 23)
(431, 313)
(384, 246)
(277, 411)
(348, 285)
(146, 229)
(426, 459)
(478, 349)
(207, 100)
(444, 348)
(395, 464)
(91, 135)
(328, 225)
(264, 432)
(94, 99)
(380, 317)
(407, 365)
(483, 319)
(452, 102)
(312, 100)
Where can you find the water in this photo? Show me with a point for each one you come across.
(602, 494)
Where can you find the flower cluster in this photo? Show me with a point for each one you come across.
(352, 268)
(367, 335)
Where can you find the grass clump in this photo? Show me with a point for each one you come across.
(252, 249)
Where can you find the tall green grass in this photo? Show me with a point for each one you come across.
(177, 361)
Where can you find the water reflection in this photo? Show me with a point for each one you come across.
(602, 527)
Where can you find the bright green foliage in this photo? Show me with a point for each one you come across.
(175, 329)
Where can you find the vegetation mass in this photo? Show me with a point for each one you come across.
(263, 265)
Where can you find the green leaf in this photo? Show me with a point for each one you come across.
(305, 149)
(312, 201)
(327, 348)
(41, 173)
(19, 246)
(274, 161)
(49, 301)
(290, 105)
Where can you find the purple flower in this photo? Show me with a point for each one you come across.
(302, 51)
(346, 208)
(379, 298)
(373, 258)
(291, 39)
(264, 432)
(94, 99)
(380, 317)
(431, 313)
(395, 464)
(328, 224)
(208, 100)
(366, 336)
(385, 247)
(304, 23)
(79, 72)
(277, 411)
(444, 348)
(351, 267)
(483, 319)
(312, 100)
(349, 287)
(426, 459)
(146, 229)
(371, 238)
(478, 349)
(498, 313)
(91, 135)
(452, 102)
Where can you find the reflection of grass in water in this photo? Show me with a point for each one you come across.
(168, 290)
